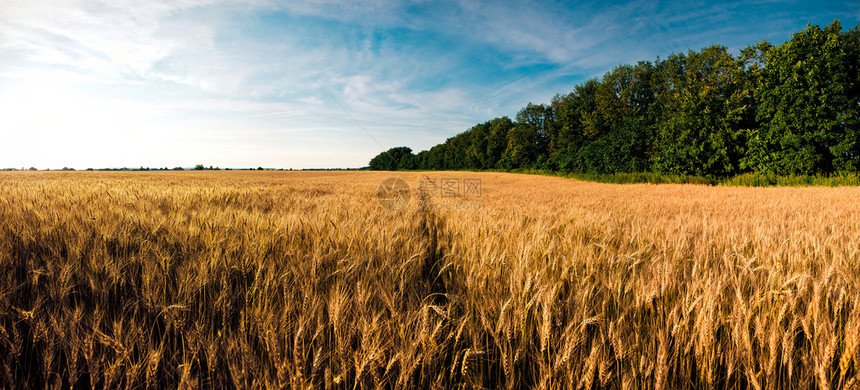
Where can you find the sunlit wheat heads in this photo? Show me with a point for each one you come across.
(304, 280)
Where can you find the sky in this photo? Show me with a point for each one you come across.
(323, 83)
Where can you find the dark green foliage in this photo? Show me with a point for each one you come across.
(792, 109)
(497, 142)
(772, 179)
(808, 104)
(393, 159)
(701, 130)
(523, 147)
(624, 149)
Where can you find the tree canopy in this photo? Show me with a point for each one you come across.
(787, 109)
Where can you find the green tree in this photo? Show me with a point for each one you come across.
(528, 140)
(567, 135)
(394, 159)
(436, 157)
(808, 104)
(591, 120)
(700, 132)
(521, 151)
(540, 120)
(497, 142)
(476, 155)
(792, 108)
(456, 151)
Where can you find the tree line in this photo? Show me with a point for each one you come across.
(791, 109)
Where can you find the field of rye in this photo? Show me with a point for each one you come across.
(303, 280)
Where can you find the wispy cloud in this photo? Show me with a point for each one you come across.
(262, 82)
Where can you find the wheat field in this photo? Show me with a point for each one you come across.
(302, 280)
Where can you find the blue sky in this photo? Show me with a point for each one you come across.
(323, 83)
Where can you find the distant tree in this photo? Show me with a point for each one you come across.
(456, 151)
(393, 159)
(592, 122)
(788, 109)
(700, 132)
(539, 119)
(497, 143)
(199, 167)
(809, 104)
(568, 131)
(523, 147)
(476, 154)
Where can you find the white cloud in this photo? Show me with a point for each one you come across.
(190, 77)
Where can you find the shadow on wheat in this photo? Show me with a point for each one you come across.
(302, 280)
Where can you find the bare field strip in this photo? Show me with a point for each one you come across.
(303, 280)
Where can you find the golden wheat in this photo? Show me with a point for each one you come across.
(304, 280)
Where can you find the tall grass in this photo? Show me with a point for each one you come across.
(768, 180)
(301, 280)
(620, 177)
(742, 180)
